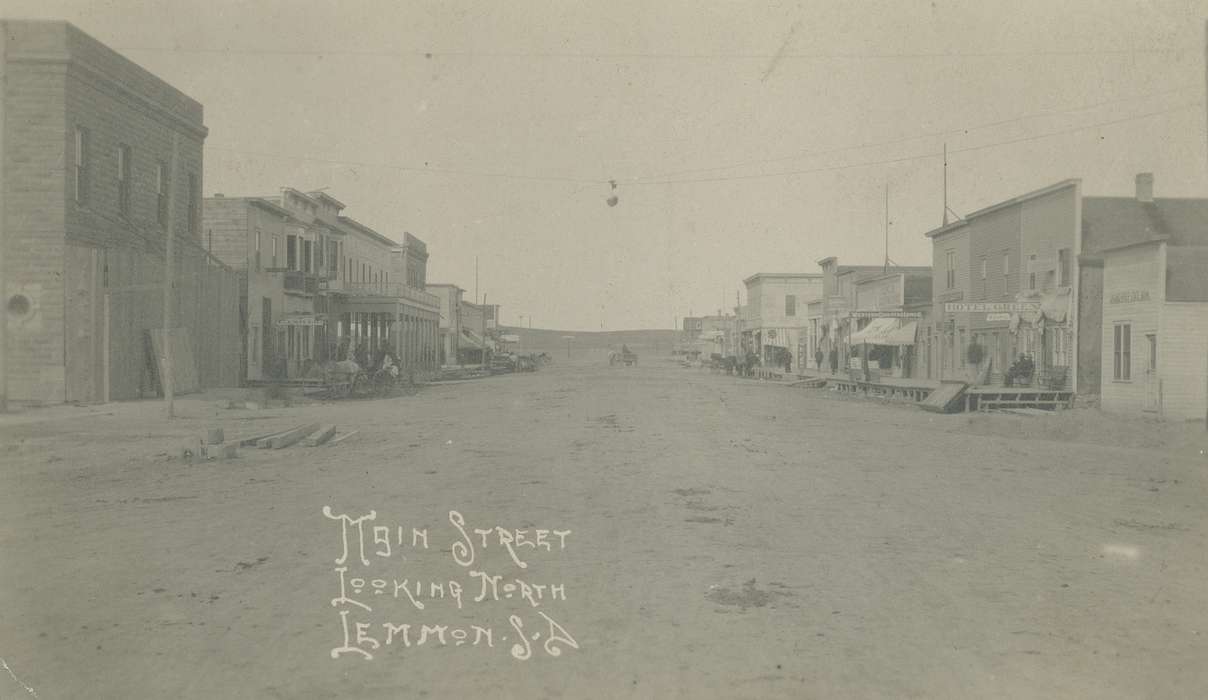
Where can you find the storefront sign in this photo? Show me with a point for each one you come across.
(978, 307)
(886, 314)
(299, 321)
(998, 317)
(1132, 295)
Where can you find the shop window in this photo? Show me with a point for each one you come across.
(1122, 352)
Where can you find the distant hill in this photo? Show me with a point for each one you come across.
(648, 342)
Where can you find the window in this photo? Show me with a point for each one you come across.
(123, 179)
(274, 251)
(790, 305)
(257, 256)
(951, 271)
(191, 205)
(81, 164)
(291, 252)
(1006, 264)
(1122, 352)
(307, 251)
(1063, 267)
(161, 194)
(983, 268)
(1152, 340)
(1031, 272)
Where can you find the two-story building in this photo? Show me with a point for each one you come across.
(774, 320)
(449, 300)
(888, 311)
(1005, 282)
(321, 286)
(101, 162)
(832, 318)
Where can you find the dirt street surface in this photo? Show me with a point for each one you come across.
(727, 538)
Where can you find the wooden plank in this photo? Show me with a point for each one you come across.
(341, 438)
(293, 436)
(320, 436)
(265, 441)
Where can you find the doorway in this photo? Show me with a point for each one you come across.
(1153, 385)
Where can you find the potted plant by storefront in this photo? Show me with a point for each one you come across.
(1021, 371)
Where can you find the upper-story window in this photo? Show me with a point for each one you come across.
(82, 158)
(1006, 264)
(291, 252)
(790, 305)
(123, 178)
(1031, 272)
(257, 252)
(1063, 267)
(191, 210)
(950, 260)
(161, 194)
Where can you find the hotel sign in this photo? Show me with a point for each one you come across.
(886, 314)
(1129, 297)
(979, 307)
(299, 321)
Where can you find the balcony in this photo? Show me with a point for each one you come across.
(393, 289)
(300, 282)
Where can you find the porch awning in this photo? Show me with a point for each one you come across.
(471, 338)
(886, 331)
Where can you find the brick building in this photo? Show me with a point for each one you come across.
(87, 145)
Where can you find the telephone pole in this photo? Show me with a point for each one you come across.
(3, 228)
(166, 378)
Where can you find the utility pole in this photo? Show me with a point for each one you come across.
(945, 183)
(3, 228)
(166, 378)
(475, 279)
(886, 268)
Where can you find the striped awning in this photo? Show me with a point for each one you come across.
(886, 331)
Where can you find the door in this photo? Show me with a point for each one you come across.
(1153, 386)
(82, 322)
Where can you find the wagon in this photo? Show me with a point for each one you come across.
(623, 358)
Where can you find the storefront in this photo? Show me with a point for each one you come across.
(885, 342)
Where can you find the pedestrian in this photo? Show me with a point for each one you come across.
(818, 355)
(788, 362)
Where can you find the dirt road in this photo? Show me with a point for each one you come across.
(709, 537)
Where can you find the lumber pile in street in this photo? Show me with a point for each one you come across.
(214, 446)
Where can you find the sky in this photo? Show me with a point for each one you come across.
(738, 137)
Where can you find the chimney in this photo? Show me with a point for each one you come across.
(1144, 187)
